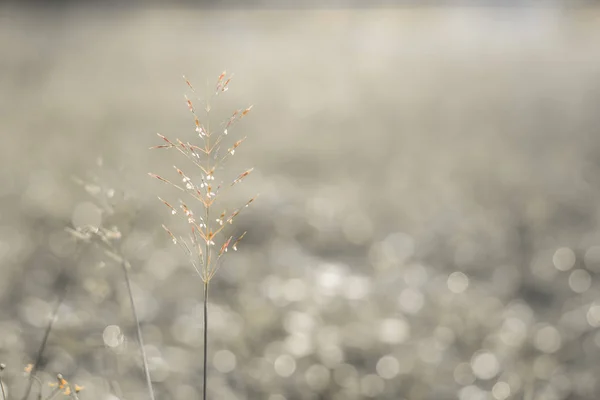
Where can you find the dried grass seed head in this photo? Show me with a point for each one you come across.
(205, 157)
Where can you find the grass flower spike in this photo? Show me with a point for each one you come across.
(206, 241)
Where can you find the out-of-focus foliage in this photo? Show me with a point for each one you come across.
(428, 220)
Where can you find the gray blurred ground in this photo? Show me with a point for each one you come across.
(427, 226)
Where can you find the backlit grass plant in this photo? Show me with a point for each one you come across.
(206, 241)
(109, 240)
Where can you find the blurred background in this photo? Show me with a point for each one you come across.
(429, 209)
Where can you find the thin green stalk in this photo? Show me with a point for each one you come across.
(205, 339)
(125, 266)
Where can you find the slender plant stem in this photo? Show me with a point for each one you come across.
(2, 386)
(32, 374)
(207, 259)
(125, 266)
(204, 372)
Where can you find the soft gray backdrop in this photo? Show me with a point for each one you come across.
(427, 226)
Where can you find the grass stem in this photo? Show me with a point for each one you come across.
(204, 372)
(32, 375)
(126, 266)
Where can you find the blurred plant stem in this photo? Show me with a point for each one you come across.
(138, 328)
(63, 283)
(2, 367)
